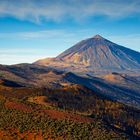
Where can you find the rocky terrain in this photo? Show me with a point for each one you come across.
(95, 54)
(90, 91)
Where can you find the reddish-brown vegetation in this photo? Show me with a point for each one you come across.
(18, 106)
(60, 115)
(41, 100)
(13, 134)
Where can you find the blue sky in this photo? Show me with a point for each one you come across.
(34, 29)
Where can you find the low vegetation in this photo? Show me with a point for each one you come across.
(72, 114)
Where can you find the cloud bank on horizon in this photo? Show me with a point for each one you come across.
(57, 10)
(33, 29)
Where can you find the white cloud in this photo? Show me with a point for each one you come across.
(56, 41)
(19, 55)
(15, 59)
(69, 37)
(32, 35)
(57, 10)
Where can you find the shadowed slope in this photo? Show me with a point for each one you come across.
(96, 53)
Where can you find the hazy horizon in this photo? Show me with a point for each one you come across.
(28, 35)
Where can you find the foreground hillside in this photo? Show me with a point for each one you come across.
(71, 112)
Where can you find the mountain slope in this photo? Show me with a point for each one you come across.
(120, 87)
(101, 53)
(97, 53)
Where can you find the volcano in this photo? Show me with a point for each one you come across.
(97, 53)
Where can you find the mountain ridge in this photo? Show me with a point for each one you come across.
(97, 53)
